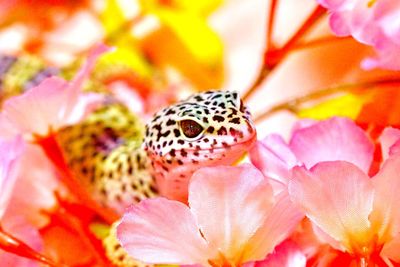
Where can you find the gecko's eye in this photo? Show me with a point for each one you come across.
(191, 128)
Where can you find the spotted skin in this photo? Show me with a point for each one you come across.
(211, 128)
(18, 74)
(104, 152)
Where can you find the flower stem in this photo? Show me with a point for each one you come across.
(321, 41)
(293, 104)
(15, 246)
(270, 24)
(273, 56)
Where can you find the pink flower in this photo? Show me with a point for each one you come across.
(233, 218)
(375, 23)
(390, 142)
(358, 214)
(34, 188)
(287, 254)
(312, 142)
(14, 222)
(10, 151)
(53, 103)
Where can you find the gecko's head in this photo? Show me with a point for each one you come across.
(206, 129)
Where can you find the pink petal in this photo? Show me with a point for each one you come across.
(386, 213)
(35, 186)
(339, 23)
(337, 197)
(330, 140)
(282, 219)
(7, 129)
(387, 139)
(334, 4)
(86, 103)
(49, 104)
(287, 254)
(9, 154)
(162, 231)
(39, 108)
(273, 157)
(76, 84)
(230, 204)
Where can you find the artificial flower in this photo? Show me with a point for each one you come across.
(358, 214)
(54, 102)
(286, 254)
(233, 219)
(312, 142)
(10, 151)
(390, 142)
(375, 23)
(13, 222)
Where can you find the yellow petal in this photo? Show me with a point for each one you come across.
(348, 105)
(112, 16)
(185, 42)
(201, 7)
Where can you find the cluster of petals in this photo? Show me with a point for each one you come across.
(233, 218)
(52, 104)
(333, 139)
(372, 22)
(359, 214)
(325, 169)
(28, 179)
(11, 219)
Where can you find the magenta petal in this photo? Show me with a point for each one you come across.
(287, 254)
(162, 231)
(331, 140)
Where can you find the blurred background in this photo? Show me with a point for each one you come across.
(167, 49)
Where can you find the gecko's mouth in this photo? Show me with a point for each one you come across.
(243, 145)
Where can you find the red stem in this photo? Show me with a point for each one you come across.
(53, 151)
(15, 246)
(270, 23)
(304, 28)
(321, 41)
(272, 57)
